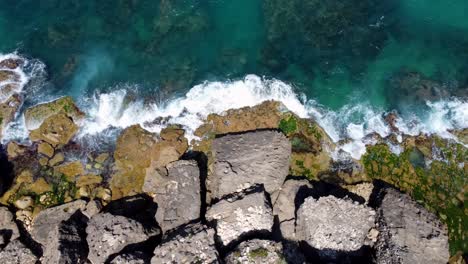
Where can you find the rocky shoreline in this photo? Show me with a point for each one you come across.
(259, 185)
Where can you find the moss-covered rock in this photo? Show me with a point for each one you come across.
(56, 130)
(138, 152)
(36, 115)
(439, 182)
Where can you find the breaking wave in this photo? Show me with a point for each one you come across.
(352, 122)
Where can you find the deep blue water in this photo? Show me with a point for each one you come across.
(337, 52)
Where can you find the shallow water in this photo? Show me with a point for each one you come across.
(351, 59)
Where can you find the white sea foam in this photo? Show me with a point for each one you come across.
(13, 85)
(352, 122)
(111, 109)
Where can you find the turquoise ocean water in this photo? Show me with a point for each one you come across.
(388, 54)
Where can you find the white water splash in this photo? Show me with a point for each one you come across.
(353, 122)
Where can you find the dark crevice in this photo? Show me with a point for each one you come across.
(6, 171)
(246, 132)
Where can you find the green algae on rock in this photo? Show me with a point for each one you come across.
(441, 186)
(36, 115)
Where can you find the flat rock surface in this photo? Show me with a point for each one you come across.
(108, 234)
(178, 195)
(333, 224)
(241, 215)
(408, 232)
(242, 160)
(189, 244)
(47, 220)
(17, 253)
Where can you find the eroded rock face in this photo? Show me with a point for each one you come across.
(242, 214)
(408, 232)
(8, 228)
(178, 194)
(139, 152)
(194, 243)
(247, 159)
(16, 252)
(108, 234)
(259, 251)
(36, 115)
(56, 130)
(134, 258)
(285, 206)
(266, 115)
(333, 225)
(67, 242)
(48, 220)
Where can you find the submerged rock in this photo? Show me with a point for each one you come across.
(242, 214)
(259, 251)
(16, 252)
(108, 234)
(178, 194)
(243, 160)
(408, 232)
(8, 110)
(333, 226)
(193, 243)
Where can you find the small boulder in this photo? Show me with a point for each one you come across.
(16, 252)
(259, 251)
(408, 232)
(178, 195)
(243, 160)
(46, 149)
(108, 234)
(47, 220)
(334, 225)
(189, 244)
(8, 228)
(285, 206)
(241, 214)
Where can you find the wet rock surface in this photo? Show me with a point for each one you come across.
(408, 232)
